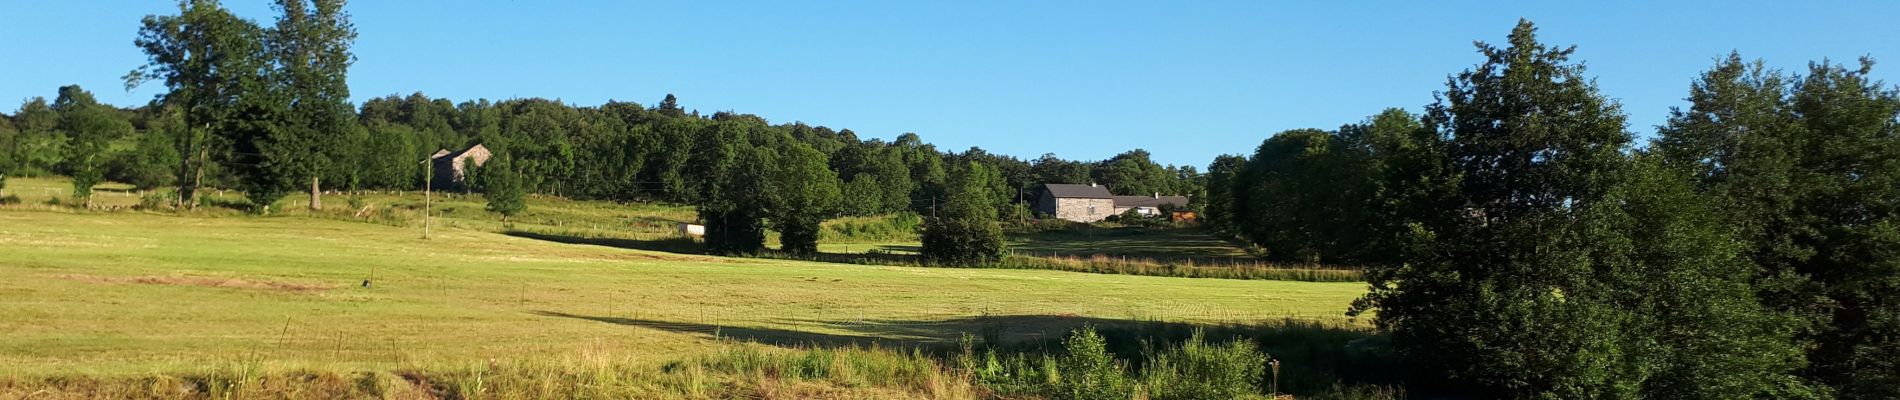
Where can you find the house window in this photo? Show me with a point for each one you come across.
(1091, 210)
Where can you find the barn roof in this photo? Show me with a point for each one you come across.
(1150, 201)
(455, 154)
(1077, 191)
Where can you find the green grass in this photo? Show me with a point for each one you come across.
(128, 293)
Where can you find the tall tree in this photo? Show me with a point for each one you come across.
(1808, 172)
(205, 56)
(311, 47)
(1848, 236)
(1502, 297)
(804, 194)
(1305, 197)
(501, 183)
(89, 127)
(1221, 212)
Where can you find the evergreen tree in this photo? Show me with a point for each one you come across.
(501, 183)
(1806, 169)
(965, 231)
(1502, 297)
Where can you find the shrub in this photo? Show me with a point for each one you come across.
(156, 199)
(1088, 371)
(1200, 370)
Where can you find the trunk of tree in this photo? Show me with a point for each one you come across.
(316, 194)
(198, 175)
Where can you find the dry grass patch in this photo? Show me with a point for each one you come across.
(204, 281)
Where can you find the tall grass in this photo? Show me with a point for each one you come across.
(1085, 365)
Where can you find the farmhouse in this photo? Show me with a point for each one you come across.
(451, 168)
(1075, 202)
(1148, 206)
(1092, 202)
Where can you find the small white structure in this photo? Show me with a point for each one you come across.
(692, 230)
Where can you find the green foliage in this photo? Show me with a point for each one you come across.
(501, 183)
(1302, 197)
(1542, 261)
(1201, 370)
(1805, 169)
(1088, 371)
(38, 147)
(899, 227)
(804, 193)
(207, 58)
(151, 162)
(89, 128)
(965, 230)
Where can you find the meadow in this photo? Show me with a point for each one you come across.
(128, 295)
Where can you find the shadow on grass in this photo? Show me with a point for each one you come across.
(1314, 355)
(1159, 244)
(678, 245)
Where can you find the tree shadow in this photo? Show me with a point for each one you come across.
(1314, 351)
(677, 245)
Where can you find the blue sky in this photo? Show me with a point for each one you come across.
(1084, 80)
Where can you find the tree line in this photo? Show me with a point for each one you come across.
(265, 110)
(1521, 245)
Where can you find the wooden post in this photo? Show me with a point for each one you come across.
(316, 194)
(428, 198)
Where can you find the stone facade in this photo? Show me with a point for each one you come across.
(451, 168)
(1076, 209)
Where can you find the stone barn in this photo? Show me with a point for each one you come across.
(451, 167)
(1148, 206)
(1076, 202)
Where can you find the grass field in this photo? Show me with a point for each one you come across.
(131, 293)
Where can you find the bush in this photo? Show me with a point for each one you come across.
(1088, 372)
(1199, 370)
(156, 199)
(10, 199)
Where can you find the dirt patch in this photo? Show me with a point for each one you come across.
(205, 281)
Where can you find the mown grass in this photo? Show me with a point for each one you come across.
(880, 240)
(123, 295)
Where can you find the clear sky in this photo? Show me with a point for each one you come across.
(1082, 79)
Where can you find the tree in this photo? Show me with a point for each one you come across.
(965, 231)
(149, 164)
(40, 148)
(1501, 297)
(804, 194)
(311, 49)
(501, 183)
(731, 193)
(670, 106)
(206, 57)
(1304, 196)
(1134, 173)
(89, 128)
(1806, 170)
(1691, 289)
(1408, 175)
(1221, 212)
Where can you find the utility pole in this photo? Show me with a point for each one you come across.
(428, 199)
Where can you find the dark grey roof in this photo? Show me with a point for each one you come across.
(1149, 201)
(1076, 191)
(445, 153)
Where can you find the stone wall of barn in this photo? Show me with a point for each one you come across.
(1084, 210)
